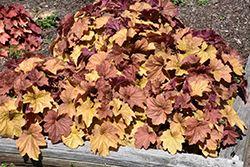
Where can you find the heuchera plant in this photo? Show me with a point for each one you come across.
(18, 29)
(125, 73)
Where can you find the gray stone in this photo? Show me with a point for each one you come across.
(126, 156)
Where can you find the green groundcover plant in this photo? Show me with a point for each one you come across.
(18, 32)
(125, 73)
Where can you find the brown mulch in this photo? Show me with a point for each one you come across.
(229, 18)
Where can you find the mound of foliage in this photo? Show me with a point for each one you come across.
(17, 29)
(125, 73)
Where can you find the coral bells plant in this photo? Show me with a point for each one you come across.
(17, 29)
(125, 73)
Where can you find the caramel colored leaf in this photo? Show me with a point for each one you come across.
(74, 139)
(38, 100)
(101, 21)
(199, 85)
(104, 138)
(28, 64)
(54, 65)
(96, 59)
(80, 26)
(30, 140)
(143, 137)
(189, 44)
(57, 125)
(139, 6)
(158, 108)
(68, 106)
(172, 141)
(120, 37)
(178, 123)
(220, 71)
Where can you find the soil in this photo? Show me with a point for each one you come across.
(229, 18)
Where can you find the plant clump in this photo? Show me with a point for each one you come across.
(17, 29)
(125, 73)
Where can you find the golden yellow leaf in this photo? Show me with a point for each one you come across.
(122, 108)
(189, 44)
(53, 65)
(93, 76)
(38, 100)
(206, 52)
(172, 141)
(175, 64)
(88, 110)
(233, 117)
(11, 122)
(74, 140)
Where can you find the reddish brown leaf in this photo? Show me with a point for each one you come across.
(196, 131)
(155, 67)
(37, 77)
(104, 111)
(229, 135)
(106, 69)
(143, 137)
(157, 108)
(57, 126)
(212, 114)
(133, 95)
(4, 37)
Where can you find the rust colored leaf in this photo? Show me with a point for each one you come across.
(229, 135)
(158, 108)
(196, 131)
(143, 137)
(155, 68)
(57, 125)
(37, 77)
(133, 95)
